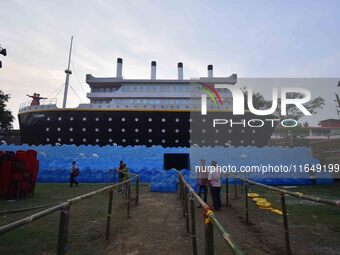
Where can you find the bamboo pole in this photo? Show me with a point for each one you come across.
(285, 222)
(193, 226)
(246, 201)
(128, 198)
(109, 212)
(186, 211)
(137, 190)
(63, 229)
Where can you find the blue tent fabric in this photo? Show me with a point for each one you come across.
(96, 163)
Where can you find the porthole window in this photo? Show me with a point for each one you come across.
(84, 118)
(163, 119)
(150, 119)
(216, 141)
(242, 130)
(47, 139)
(150, 130)
(217, 131)
(71, 139)
(203, 141)
(110, 119)
(176, 130)
(189, 141)
(123, 119)
(84, 139)
(48, 119)
(83, 129)
(163, 130)
(204, 120)
(97, 119)
(203, 130)
(242, 141)
(190, 130)
(190, 120)
(177, 119)
(47, 129)
(110, 130)
(97, 140)
(58, 129)
(176, 141)
(123, 130)
(136, 130)
(252, 141)
(229, 141)
(59, 118)
(230, 131)
(96, 129)
(137, 140)
(136, 119)
(110, 140)
(253, 131)
(123, 140)
(59, 139)
(71, 129)
(71, 118)
(163, 141)
(150, 140)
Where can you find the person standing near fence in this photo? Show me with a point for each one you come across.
(120, 174)
(202, 181)
(73, 174)
(214, 180)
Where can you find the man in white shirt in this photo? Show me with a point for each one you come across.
(214, 180)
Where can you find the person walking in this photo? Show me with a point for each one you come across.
(73, 174)
(214, 180)
(202, 181)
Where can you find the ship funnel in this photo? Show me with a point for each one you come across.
(119, 68)
(180, 70)
(210, 71)
(153, 70)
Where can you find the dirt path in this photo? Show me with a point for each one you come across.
(156, 227)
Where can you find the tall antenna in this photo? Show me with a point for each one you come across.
(68, 72)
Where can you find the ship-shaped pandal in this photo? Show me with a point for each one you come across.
(148, 112)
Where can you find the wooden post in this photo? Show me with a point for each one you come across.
(137, 190)
(235, 188)
(227, 191)
(128, 191)
(63, 229)
(193, 226)
(285, 221)
(209, 236)
(183, 199)
(186, 208)
(246, 201)
(109, 212)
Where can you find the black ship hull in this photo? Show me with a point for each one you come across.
(139, 127)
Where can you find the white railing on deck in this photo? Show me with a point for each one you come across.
(48, 101)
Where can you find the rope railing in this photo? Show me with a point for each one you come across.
(282, 192)
(210, 220)
(65, 208)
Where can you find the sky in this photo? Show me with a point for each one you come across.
(250, 38)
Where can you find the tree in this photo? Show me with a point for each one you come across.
(6, 117)
(292, 111)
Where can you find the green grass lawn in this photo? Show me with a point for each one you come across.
(86, 228)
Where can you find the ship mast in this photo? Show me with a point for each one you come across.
(68, 72)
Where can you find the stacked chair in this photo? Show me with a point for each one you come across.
(18, 173)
